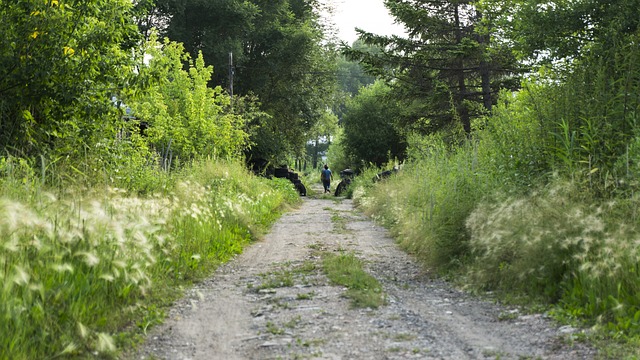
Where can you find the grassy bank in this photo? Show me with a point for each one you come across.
(87, 271)
(492, 214)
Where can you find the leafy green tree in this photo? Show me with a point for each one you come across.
(337, 156)
(278, 54)
(289, 70)
(184, 115)
(545, 31)
(60, 64)
(369, 132)
(321, 136)
(351, 77)
(586, 95)
(351, 74)
(213, 27)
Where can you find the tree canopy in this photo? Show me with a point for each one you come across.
(278, 56)
(369, 132)
(445, 71)
(60, 64)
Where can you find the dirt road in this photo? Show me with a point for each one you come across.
(274, 302)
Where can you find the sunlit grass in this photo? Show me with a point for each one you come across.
(77, 268)
(581, 255)
(553, 242)
(347, 270)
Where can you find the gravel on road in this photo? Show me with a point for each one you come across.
(274, 302)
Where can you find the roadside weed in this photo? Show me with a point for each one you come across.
(78, 267)
(347, 270)
(274, 329)
(276, 279)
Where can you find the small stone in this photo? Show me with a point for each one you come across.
(567, 329)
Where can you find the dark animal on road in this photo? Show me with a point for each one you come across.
(346, 175)
(342, 186)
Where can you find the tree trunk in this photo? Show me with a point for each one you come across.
(485, 71)
(461, 107)
(315, 154)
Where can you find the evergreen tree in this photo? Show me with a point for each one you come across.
(445, 70)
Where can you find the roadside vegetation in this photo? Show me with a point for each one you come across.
(123, 175)
(90, 271)
(123, 155)
(527, 185)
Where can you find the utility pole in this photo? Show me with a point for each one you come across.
(231, 75)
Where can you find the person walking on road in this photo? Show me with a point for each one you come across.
(326, 176)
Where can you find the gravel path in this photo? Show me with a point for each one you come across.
(274, 302)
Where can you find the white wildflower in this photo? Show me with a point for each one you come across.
(21, 276)
(62, 268)
(82, 330)
(69, 349)
(105, 343)
(108, 277)
(90, 259)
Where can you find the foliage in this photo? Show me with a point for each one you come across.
(511, 149)
(290, 70)
(351, 74)
(182, 113)
(213, 28)
(77, 269)
(490, 209)
(278, 57)
(427, 203)
(562, 248)
(337, 155)
(321, 136)
(61, 62)
(589, 118)
(543, 32)
(369, 134)
(446, 70)
(541, 199)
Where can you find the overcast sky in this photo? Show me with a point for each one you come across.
(369, 15)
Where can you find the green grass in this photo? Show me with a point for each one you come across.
(347, 270)
(89, 272)
(339, 222)
(276, 279)
(403, 337)
(274, 329)
(305, 296)
(552, 244)
(287, 276)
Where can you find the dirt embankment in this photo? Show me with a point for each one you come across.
(274, 302)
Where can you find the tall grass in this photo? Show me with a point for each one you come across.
(426, 205)
(580, 254)
(75, 269)
(502, 212)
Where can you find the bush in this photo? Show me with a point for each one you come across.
(511, 147)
